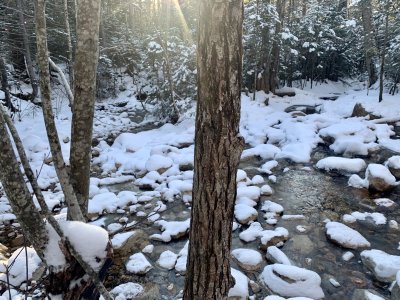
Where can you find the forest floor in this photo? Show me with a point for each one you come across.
(313, 181)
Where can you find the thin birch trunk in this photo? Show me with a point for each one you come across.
(55, 146)
(28, 57)
(69, 44)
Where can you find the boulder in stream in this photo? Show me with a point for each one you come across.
(291, 281)
(393, 163)
(383, 265)
(247, 259)
(345, 236)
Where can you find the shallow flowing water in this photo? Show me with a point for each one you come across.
(307, 191)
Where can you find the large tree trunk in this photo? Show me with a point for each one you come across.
(217, 149)
(28, 57)
(85, 68)
(55, 146)
(369, 40)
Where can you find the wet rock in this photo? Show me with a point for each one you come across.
(285, 92)
(186, 167)
(151, 292)
(17, 242)
(301, 244)
(395, 293)
(383, 265)
(247, 259)
(359, 111)
(361, 294)
(291, 281)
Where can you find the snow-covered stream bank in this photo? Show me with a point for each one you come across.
(302, 187)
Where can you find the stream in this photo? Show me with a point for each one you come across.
(300, 189)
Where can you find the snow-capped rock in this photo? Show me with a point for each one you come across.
(138, 264)
(275, 255)
(345, 236)
(291, 281)
(247, 259)
(383, 265)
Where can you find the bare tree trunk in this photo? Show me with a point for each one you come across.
(217, 149)
(383, 53)
(18, 194)
(85, 69)
(28, 57)
(64, 81)
(276, 47)
(59, 282)
(369, 44)
(69, 43)
(4, 85)
(55, 147)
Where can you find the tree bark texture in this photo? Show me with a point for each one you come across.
(57, 282)
(69, 44)
(217, 149)
(369, 40)
(55, 146)
(4, 85)
(383, 52)
(85, 68)
(28, 57)
(18, 194)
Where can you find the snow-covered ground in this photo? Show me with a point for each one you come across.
(161, 160)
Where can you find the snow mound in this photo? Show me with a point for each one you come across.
(345, 236)
(273, 237)
(244, 213)
(120, 239)
(251, 233)
(248, 259)
(167, 260)
(94, 248)
(171, 230)
(377, 218)
(383, 265)
(241, 287)
(348, 165)
(17, 273)
(291, 281)
(275, 255)
(126, 291)
(138, 264)
(180, 265)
